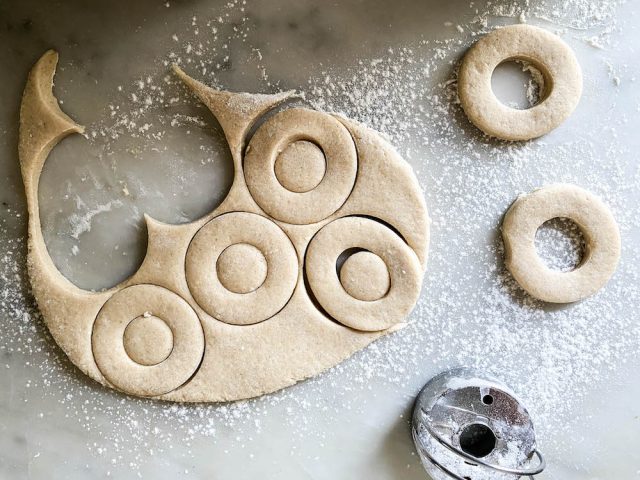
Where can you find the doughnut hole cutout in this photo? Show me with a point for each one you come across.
(560, 244)
(241, 268)
(301, 166)
(365, 276)
(518, 84)
(148, 340)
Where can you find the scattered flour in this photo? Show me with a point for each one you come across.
(409, 94)
(81, 222)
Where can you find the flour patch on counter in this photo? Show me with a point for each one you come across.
(80, 223)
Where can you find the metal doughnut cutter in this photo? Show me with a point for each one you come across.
(470, 426)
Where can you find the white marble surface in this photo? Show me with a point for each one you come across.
(351, 422)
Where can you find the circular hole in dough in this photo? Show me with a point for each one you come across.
(551, 56)
(148, 340)
(365, 276)
(518, 84)
(301, 166)
(561, 244)
(241, 268)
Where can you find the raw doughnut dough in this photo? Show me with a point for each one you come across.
(220, 308)
(111, 344)
(599, 228)
(548, 53)
(365, 276)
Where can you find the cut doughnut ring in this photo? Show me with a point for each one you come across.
(146, 322)
(382, 283)
(301, 166)
(241, 268)
(548, 53)
(597, 224)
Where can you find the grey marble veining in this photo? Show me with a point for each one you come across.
(43, 429)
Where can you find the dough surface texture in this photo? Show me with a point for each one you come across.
(548, 53)
(249, 298)
(598, 226)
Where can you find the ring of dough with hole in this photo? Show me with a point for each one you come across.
(597, 224)
(229, 306)
(556, 61)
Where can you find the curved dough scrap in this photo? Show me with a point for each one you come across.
(600, 230)
(238, 361)
(548, 53)
(67, 310)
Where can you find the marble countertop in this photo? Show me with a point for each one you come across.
(390, 65)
